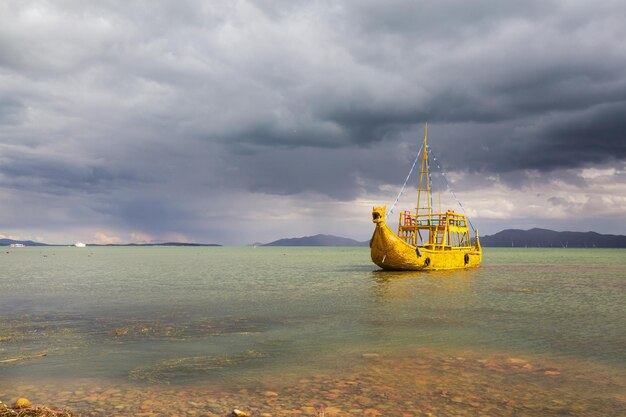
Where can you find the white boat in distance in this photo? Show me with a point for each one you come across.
(80, 245)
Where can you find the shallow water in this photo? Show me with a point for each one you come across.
(144, 328)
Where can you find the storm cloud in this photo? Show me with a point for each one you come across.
(241, 121)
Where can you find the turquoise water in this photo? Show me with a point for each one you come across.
(161, 315)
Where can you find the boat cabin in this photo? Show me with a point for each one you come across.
(437, 231)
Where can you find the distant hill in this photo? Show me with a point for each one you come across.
(7, 242)
(550, 239)
(318, 240)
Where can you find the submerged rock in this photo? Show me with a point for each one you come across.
(238, 413)
(22, 402)
(552, 373)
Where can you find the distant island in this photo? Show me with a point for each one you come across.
(317, 240)
(8, 242)
(543, 238)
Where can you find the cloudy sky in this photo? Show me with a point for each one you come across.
(241, 121)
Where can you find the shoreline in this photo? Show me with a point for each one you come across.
(422, 382)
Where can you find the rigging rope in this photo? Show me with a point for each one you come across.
(443, 174)
(405, 182)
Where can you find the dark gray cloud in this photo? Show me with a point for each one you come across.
(150, 116)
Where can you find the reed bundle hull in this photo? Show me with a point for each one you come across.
(390, 252)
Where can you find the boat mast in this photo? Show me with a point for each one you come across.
(424, 184)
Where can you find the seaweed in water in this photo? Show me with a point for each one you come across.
(167, 370)
(33, 411)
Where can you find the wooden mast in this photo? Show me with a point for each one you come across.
(424, 184)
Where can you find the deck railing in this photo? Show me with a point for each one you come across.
(443, 230)
(432, 220)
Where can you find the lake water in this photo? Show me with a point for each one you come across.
(151, 331)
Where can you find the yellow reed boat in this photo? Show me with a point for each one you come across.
(425, 240)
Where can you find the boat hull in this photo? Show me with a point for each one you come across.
(392, 253)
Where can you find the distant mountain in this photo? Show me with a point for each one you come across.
(318, 240)
(7, 242)
(550, 239)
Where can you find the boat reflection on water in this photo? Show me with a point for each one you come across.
(417, 309)
(390, 286)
